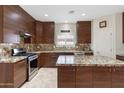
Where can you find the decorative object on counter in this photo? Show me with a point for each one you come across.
(102, 24)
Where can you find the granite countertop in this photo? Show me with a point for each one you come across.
(83, 60)
(61, 50)
(12, 59)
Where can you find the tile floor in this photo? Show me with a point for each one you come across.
(46, 78)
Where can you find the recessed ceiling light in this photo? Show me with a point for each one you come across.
(46, 15)
(83, 14)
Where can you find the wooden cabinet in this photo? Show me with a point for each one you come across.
(48, 60)
(13, 74)
(84, 32)
(87, 77)
(118, 77)
(84, 77)
(122, 27)
(39, 32)
(20, 73)
(14, 21)
(45, 32)
(48, 32)
(101, 77)
(79, 77)
(66, 77)
(120, 57)
(1, 24)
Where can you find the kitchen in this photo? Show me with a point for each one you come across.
(77, 53)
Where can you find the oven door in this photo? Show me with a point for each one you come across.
(32, 68)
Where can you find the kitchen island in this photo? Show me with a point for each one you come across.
(81, 71)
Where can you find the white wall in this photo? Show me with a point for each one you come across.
(103, 39)
(119, 43)
(65, 26)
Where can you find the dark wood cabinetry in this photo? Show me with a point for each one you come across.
(48, 32)
(101, 77)
(87, 77)
(45, 32)
(20, 73)
(48, 60)
(84, 77)
(84, 32)
(16, 20)
(13, 74)
(39, 32)
(1, 24)
(70, 76)
(122, 27)
(118, 77)
(66, 77)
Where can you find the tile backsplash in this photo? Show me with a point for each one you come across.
(5, 48)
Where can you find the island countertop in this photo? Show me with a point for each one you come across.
(84, 60)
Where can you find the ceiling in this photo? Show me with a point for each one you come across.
(60, 13)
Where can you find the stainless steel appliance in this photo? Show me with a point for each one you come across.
(32, 62)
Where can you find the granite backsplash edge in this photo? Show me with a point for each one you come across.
(5, 48)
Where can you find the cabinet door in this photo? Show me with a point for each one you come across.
(47, 59)
(66, 77)
(41, 60)
(39, 32)
(118, 77)
(84, 77)
(101, 77)
(20, 73)
(1, 24)
(84, 31)
(48, 32)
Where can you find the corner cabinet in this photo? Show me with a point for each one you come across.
(83, 32)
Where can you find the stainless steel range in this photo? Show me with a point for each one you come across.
(32, 62)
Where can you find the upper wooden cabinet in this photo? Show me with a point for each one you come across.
(15, 20)
(39, 32)
(1, 24)
(48, 32)
(84, 32)
(45, 32)
(123, 26)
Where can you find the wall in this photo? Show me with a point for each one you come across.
(103, 39)
(119, 42)
(65, 26)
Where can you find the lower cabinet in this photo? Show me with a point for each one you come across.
(13, 74)
(66, 77)
(118, 77)
(83, 77)
(87, 77)
(47, 60)
(101, 77)
(70, 77)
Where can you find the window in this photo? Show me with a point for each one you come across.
(65, 40)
